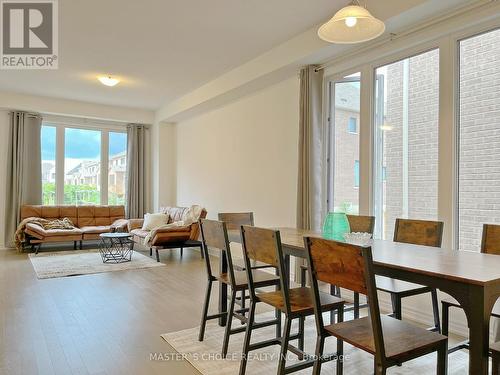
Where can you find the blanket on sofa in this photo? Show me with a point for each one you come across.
(20, 237)
(191, 216)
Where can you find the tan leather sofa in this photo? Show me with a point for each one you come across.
(90, 221)
(171, 238)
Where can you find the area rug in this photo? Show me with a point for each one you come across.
(206, 358)
(49, 265)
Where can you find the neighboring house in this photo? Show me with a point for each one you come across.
(48, 171)
(88, 172)
(117, 173)
(85, 173)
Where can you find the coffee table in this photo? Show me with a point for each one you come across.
(116, 247)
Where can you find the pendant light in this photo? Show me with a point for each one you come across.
(351, 24)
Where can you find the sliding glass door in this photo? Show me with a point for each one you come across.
(344, 129)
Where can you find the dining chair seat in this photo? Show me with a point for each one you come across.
(261, 279)
(402, 340)
(301, 301)
(403, 288)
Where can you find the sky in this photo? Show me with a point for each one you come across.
(80, 144)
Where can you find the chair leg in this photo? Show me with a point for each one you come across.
(37, 248)
(157, 255)
(229, 320)
(435, 311)
(150, 251)
(446, 319)
(333, 292)
(442, 359)
(396, 306)
(243, 302)
(356, 305)
(302, 277)
(248, 335)
(320, 344)
(204, 313)
(182, 251)
(340, 345)
(74, 245)
(495, 364)
(379, 369)
(284, 346)
(302, 320)
(81, 244)
(201, 253)
(132, 245)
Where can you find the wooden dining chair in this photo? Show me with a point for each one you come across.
(214, 236)
(495, 359)
(417, 232)
(490, 244)
(264, 245)
(360, 224)
(389, 340)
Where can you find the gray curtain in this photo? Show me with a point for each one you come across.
(24, 168)
(311, 203)
(310, 196)
(136, 171)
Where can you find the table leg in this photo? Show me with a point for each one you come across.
(223, 290)
(478, 307)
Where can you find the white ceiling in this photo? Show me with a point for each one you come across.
(163, 49)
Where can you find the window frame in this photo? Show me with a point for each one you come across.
(445, 38)
(61, 124)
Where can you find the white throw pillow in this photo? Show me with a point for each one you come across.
(153, 221)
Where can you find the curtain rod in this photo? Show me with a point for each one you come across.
(393, 36)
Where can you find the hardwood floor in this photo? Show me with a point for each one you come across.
(97, 324)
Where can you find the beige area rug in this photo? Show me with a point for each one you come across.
(205, 356)
(83, 262)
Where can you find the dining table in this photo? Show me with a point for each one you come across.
(472, 278)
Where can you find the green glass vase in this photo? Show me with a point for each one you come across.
(335, 226)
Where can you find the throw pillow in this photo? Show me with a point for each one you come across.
(153, 221)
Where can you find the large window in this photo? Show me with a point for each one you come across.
(479, 145)
(406, 141)
(92, 165)
(82, 166)
(343, 181)
(117, 168)
(48, 137)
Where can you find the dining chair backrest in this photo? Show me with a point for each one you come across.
(264, 245)
(491, 239)
(350, 267)
(360, 223)
(214, 236)
(419, 232)
(234, 220)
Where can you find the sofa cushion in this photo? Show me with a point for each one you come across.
(152, 221)
(116, 212)
(62, 232)
(86, 216)
(96, 229)
(30, 211)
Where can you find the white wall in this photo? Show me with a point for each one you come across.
(243, 156)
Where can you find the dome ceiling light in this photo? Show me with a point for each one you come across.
(351, 24)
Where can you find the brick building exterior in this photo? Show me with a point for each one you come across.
(410, 168)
